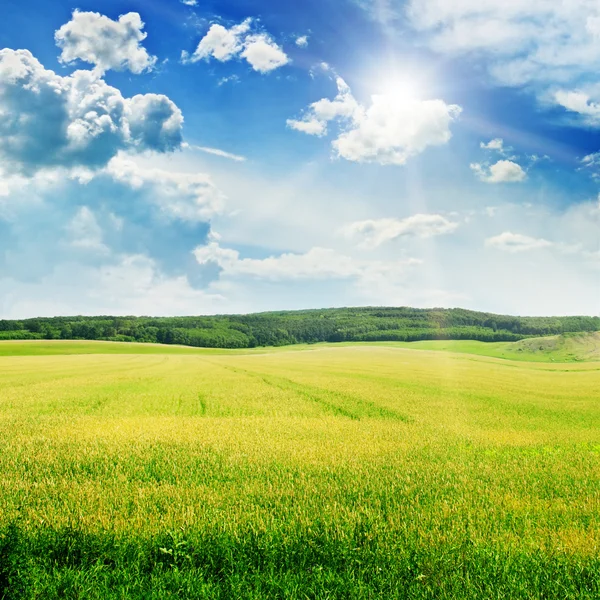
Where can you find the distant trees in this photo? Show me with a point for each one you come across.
(309, 326)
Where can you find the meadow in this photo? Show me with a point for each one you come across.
(354, 471)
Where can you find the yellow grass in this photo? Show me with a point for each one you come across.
(430, 449)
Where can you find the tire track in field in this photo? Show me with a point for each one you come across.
(319, 396)
(201, 405)
(366, 407)
(284, 384)
(329, 406)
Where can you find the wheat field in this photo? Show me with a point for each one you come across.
(346, 472)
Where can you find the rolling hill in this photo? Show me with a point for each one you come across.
(370, 324)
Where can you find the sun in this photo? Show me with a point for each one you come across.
(404, 90)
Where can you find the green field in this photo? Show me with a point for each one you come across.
(559, 348)
(350, 471)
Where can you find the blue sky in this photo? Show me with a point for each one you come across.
(163, 157)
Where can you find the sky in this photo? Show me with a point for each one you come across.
(183, 157)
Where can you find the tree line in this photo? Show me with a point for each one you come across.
(294, 327)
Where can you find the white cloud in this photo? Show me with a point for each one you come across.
(154, 122)
(229, 79)
(504, 171)
(259, 49)
(190, 2)
(541, 40)
(136, 284)
(579, 102)
(180, 196)
(308, 125)
(85, 232)
(131, 284)
(542, 44)
(221, 153)
(302, 41)
(318, 114)
(60, 218)
(389, 131)
(146, 271)
(10, 183)
(516, 242)
(316, 264)
(371, 281)
(107, 44)
(220, 43)
(592, 162)
(51, 121)
(373, 233)
(263, 53)
(496, 145)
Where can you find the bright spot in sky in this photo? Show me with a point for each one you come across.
(404, 85)
(405, 90)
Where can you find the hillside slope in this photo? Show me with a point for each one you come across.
(563, 348)
(566, 348)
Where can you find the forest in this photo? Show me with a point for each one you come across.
(295, 327)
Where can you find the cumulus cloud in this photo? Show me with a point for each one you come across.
(302, 41)
(57, 218)
(104, 43)
(497, 145)
(516, 242)
(389, 131)
(316, 264)
(263, 53)
(580, 103)
(309, 125)
(316, 117)
(373, 233)
(259, 49)
(154, 122)
(220, 43)
(47, 120)
(504, 171)
(190, 197)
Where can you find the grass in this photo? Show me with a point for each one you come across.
(582, 347)
(346, 472)
(570, 347)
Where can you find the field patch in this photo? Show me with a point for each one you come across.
(345, 472)
(575, 347)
